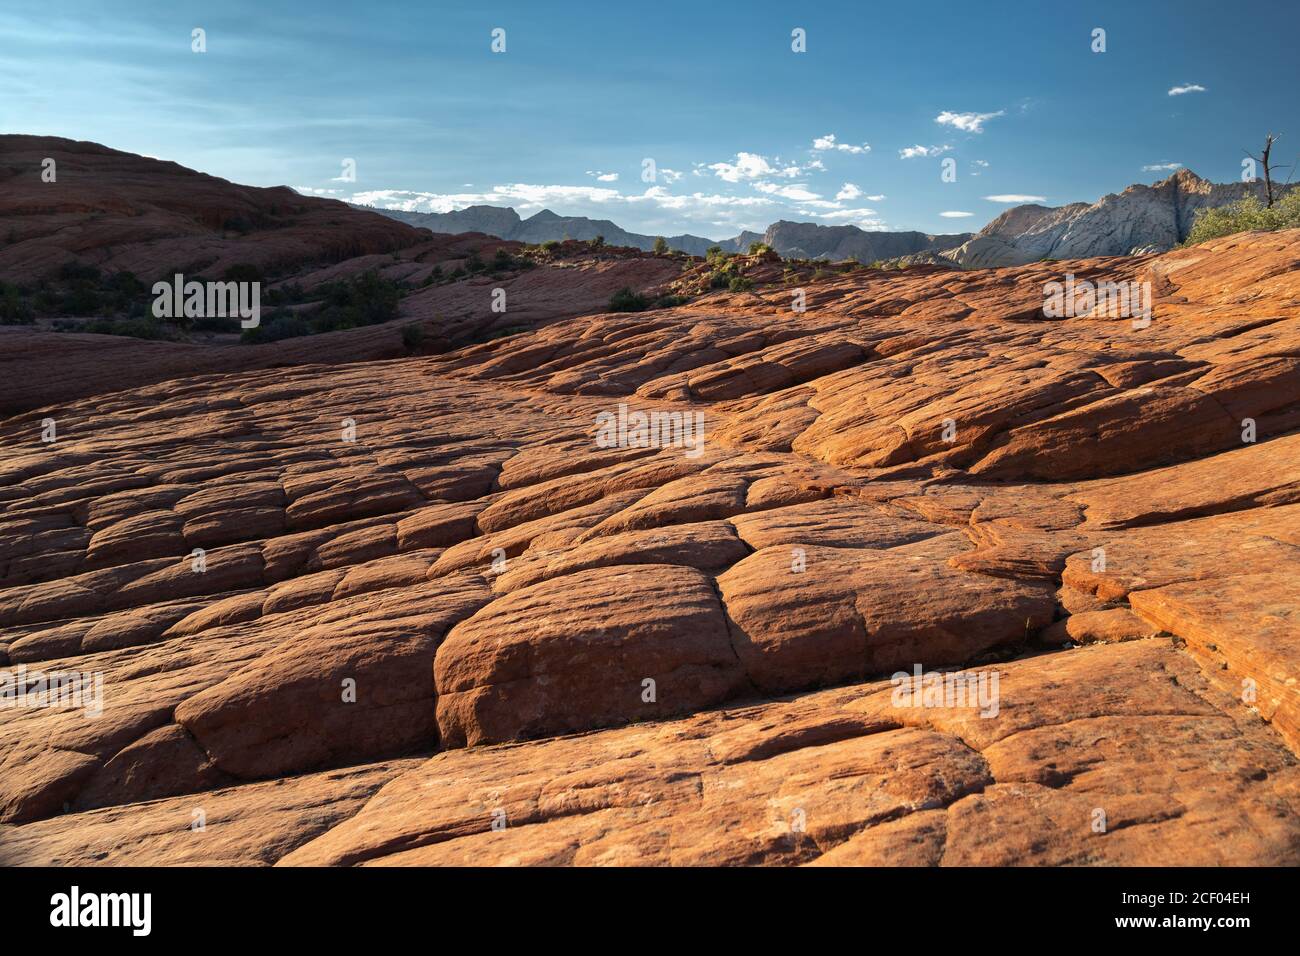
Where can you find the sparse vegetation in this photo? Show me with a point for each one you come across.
(1244, 215)
(365, 299)
(661, 246)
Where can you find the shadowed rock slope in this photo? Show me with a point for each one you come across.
(432, 619)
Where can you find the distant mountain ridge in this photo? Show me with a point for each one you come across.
(504, 223)
(1140, 219)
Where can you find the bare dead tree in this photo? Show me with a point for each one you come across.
(1262, 159)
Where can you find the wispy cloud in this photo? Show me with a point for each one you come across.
(912, 152)
(602, 176)
(827, 142)
(967, 122)
(1162, 167)
(1015, 197)
(1187, 88)
(955, 214)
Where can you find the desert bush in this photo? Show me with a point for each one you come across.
(661, 246)
(282, 325)
(1245, 215)
(625, 300)
(14, 309)
(412, 337)
(740, 284)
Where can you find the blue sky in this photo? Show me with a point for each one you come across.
(739, 125)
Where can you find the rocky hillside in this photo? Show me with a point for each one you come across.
(122, 212)
(435, 618)
(1139, 219)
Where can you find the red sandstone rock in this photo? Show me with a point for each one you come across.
(588, 642)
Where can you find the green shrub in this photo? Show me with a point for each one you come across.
(283, 325)
(759, 248)
(740, 284)
(550, 245)
(81, 299)
(670, 301)
(1244, 215)
(625, 300)
(412, 337)
(14, 309)
(661, 246)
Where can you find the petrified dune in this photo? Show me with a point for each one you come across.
(474, 635)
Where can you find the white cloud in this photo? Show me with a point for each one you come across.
(603, 177)
(911, 152)
(967, 122)
(848, 191)
(1187, 88)
(746, 166)
(982, 164)
(796, 191)
(669, 175)
(823, 143)
(955, 214)
(1015, 197)
(1161, 167)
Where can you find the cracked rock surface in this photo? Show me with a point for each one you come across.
(468, 632)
